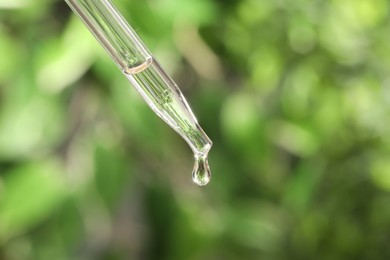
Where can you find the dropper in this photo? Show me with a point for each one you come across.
(144, 72)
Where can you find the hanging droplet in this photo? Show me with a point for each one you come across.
(201, 173)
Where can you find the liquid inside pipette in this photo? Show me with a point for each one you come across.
(166, 100)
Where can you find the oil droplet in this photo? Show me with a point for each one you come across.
(201, 173)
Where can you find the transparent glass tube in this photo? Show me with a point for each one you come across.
(145, 73)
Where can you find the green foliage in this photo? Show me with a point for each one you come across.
(294, 94)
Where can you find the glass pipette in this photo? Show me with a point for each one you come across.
(144, 72)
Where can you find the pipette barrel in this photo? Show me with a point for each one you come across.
(133, 58)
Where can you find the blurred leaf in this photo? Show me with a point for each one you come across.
(110, 173)
(26, 128)
(294, 138)
(240, 118)
(65, 60)
(266, 67)
(31, 194)
(256, 226)
(193, 11)
(10, 52)
(380, 172)
(301, 188)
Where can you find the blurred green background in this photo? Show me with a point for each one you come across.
(295, 95)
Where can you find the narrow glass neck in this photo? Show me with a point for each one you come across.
(198, 141)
